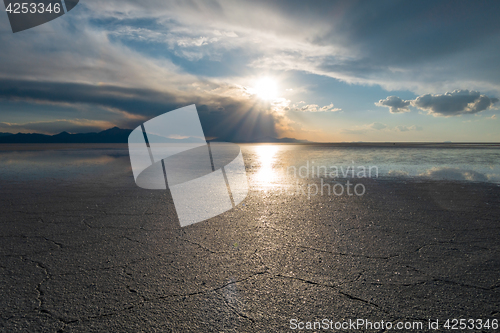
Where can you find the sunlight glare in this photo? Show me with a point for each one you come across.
(266, 89)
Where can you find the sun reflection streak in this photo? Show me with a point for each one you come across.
(266, 176)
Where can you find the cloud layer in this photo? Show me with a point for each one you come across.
(315, 108)
(455, 103)
(222, 117)
(136, 59)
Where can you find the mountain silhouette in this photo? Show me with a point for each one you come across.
(112, 135)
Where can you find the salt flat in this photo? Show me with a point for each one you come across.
(95, 253)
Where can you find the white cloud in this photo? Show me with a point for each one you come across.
(455, 103)
(315, 108)
(395, 104)
(378, 126)
(402, 128)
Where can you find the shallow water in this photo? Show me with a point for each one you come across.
(275, 162)
(65, 164)
(274, 165)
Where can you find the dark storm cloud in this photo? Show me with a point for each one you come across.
(224, 118)
(135, 101)
(395, 104)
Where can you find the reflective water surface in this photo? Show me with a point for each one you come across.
(271, 165)
(63, 164)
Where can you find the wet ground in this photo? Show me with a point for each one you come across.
(94, 253)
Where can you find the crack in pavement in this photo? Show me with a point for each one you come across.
(130, 306)
(235, 311)
(349, 254)
(213, 289)
(200, 246)
(436, 279)
(41, 294)
(337, 289)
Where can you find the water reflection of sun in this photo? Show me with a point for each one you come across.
(266, 174)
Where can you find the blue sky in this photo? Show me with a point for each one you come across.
(316, 70)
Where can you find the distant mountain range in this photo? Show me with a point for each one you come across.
(112, 135)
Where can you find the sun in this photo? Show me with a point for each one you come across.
(266, 89)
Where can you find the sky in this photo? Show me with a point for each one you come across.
(324, 71)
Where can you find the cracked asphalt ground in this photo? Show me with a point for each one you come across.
(97, 254)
